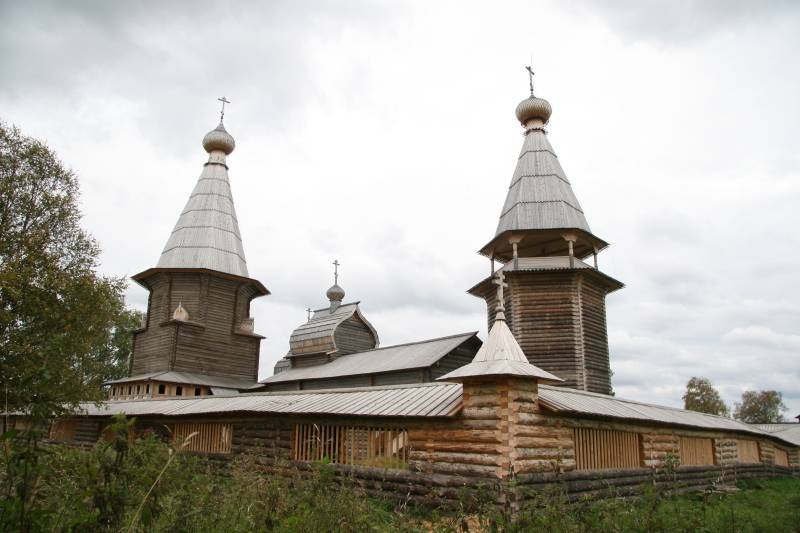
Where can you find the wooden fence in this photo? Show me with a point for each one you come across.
(748, 451)
(350, 445)
(601, 449)
(213, 437)
(696, 451)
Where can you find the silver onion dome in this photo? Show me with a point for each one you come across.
(219, 139)
(335, 293)
(532, 108)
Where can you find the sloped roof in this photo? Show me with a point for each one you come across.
(788, 432)
(418, 400)
(317, 334)
(420, 354)
(540, 195)
(563, 400)
(207, 232)
(188, 378)
(500, 355)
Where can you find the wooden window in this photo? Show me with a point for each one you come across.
(602, 449)
(781, 457)
(197, 391)
(364, 446)
(696, 451)
(212, 437)
(162, 388)
(63, 430)
(748, 451)
(147, 389)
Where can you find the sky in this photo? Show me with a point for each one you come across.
(382, 134)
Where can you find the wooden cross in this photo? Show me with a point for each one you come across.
(500, 281)
(336, 271)
(529, 68)
(308, 310)
(224, 101)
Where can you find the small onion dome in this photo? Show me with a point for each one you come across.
(335, 293)
(219, 139)
(533, 107)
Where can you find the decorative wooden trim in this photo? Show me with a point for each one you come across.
(696, 451)
(211, 437)
(748, 451)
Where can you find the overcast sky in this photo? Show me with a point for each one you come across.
(383, 134)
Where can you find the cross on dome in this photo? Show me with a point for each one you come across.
(226, 101)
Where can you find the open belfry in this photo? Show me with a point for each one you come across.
(421, 420)
(555, 302)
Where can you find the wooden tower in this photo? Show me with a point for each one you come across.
(555, 302)
(198, 335)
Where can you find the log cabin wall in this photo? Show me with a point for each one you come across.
(559, 320)
(212, 341)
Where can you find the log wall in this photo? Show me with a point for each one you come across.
(559, 320)
(212, 341)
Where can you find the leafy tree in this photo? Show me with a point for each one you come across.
(760, 407)
(120, 343)
(58, 316)
(701, 396)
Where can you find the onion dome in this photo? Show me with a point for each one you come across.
(335, 293)
(219, 139)
(533, 108)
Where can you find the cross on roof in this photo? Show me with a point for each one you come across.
(308, 310)
(224, 101)
(500, 281)
(529, 68)
(336, 265)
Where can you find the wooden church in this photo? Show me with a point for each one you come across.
(531, 404)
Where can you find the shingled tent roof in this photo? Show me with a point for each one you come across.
(207, 232)
(500, 355)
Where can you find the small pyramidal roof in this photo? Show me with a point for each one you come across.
(207, 232)
(501, 354)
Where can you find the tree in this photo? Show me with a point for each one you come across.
(58, 316)
(760, 407)
(701, 396)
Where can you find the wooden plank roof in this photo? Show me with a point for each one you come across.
(317, 335)
(418, 400)
(413, 355)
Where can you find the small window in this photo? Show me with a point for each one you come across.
(130, 389)
(147, 389)
(178, 391)
(138, 389)
(197, 391)
(161, 388)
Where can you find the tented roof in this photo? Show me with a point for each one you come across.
(207, 232)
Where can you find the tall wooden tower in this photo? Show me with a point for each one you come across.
(555, 302)
(198, 338)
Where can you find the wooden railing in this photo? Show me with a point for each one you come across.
(602, 449)
(387, 447)
(696, 451)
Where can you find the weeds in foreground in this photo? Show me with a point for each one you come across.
(148, 485)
